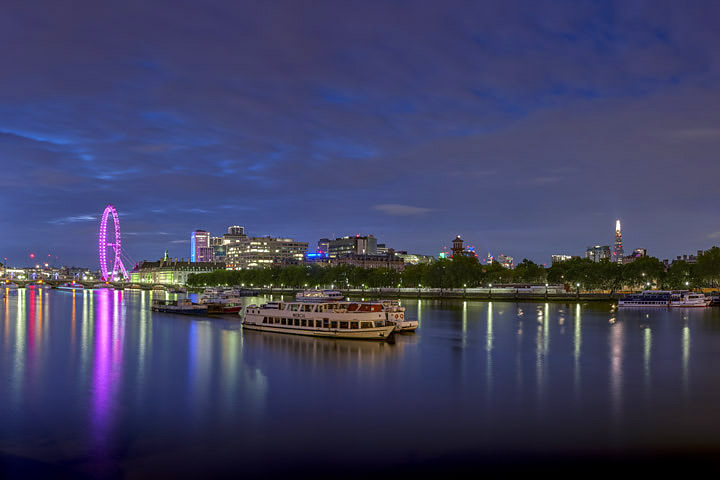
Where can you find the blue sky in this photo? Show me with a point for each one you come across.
(526, 127)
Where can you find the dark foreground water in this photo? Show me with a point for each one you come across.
(94, 384)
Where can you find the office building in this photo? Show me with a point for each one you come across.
(559, 257)
(357, 245)
(259, 252)
(370, 261)
(200, 248)
(598, 252)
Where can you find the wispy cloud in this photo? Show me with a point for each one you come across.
(697, 133)
(180, 241)
(714, 235)
(397, 209)
(74, 219)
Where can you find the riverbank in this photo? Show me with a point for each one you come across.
(460, 293)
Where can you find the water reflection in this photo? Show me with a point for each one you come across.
(99, 374)
(685, 359)
(577, 346)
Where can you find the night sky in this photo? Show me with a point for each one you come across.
(526, 127)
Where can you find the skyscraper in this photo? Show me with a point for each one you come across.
(200, 248)
(618, 253)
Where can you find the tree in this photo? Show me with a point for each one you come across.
(530, 272)
(708, 266)
(643, 272)
(681, 275)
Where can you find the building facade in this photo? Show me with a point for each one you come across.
(170, 272)
(598, 252)
(560, 257)
(200, 248)
(260, 252)
(356, 245)
(390, 261)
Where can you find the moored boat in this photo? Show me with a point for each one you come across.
(72, 286)
(358, 320)
(184, 306)
(396, 316)
(319, 296)
(664, 299)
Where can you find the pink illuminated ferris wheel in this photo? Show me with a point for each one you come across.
(111, 244)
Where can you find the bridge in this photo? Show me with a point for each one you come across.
(92, 285)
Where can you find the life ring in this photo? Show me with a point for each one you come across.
(397, 316)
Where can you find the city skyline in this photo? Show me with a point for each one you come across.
(527, 128)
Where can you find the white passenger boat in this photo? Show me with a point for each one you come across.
(366, 321)
(396, 316)
(71, 286)
(319, 296)
(664, 298)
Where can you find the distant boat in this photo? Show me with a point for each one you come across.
(319, 296)
(184, 306)
(664, 298)
(71, 286)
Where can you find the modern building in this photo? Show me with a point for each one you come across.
(390, 261)
(200, 248)
(598, 252)
(618, 254)
(357, 245)
(560, 257)
(259, 252)
(414, 258)
(235, 231)
(171, 272)
(219, 248)
(323, 245)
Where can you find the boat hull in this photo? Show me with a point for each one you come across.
(377, 333)
(183, 311)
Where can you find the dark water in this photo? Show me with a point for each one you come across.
(95, 384)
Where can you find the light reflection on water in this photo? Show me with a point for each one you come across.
(96, 378)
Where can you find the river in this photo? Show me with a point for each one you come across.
(95, 384)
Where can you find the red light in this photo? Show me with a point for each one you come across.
(32, 255)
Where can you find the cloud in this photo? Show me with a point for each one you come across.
(697, 133)
(75, 219)
(180, 241)
(397, 209)
(714, 235)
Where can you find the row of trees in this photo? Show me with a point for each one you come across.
(468, 272)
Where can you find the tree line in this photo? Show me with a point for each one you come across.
(467, 272)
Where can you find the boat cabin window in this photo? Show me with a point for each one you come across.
(366, 325)
(326, 323)
(343, 324)
(354, 325)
